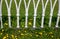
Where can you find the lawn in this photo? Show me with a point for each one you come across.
(29, 33)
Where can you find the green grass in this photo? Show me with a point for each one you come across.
(45, 33)
(55, 32)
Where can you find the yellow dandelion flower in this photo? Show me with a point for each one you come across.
(19, 31)
(15, 36)
(30, 34)
(22, 25)
(7, 35)
(12, 36)
(6, 23)
(22, 34)
(1, 33)
(40, 33)
(51, 33)
(4, 37)
(37, 35)
(24, 31)
(52, 36)
(2, 30)
(46, 33)
(30, 23)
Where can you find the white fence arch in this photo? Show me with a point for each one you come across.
(35, 5)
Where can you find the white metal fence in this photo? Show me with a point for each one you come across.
(44, 5)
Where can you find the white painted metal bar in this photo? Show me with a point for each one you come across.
(9, 12)
(26, 10)
(58, 14)
(35, 12)
(51, 11)
(18, 11)
(43, 12)
(1, 13)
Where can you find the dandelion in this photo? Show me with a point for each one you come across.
(7, 35)
(22, 34)
(19, 31)
(37, 35)
(15, 36)
(52, 36)
(46, 34)
(12, 36)
(4, 37)
(2, 30)
(40, 33)
(6, 23)
(24, 31)
(22, 25)
(30, 34)
(50, 33)
(1, 33)
(30, 23)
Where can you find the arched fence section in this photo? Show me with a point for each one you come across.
(35, 7)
